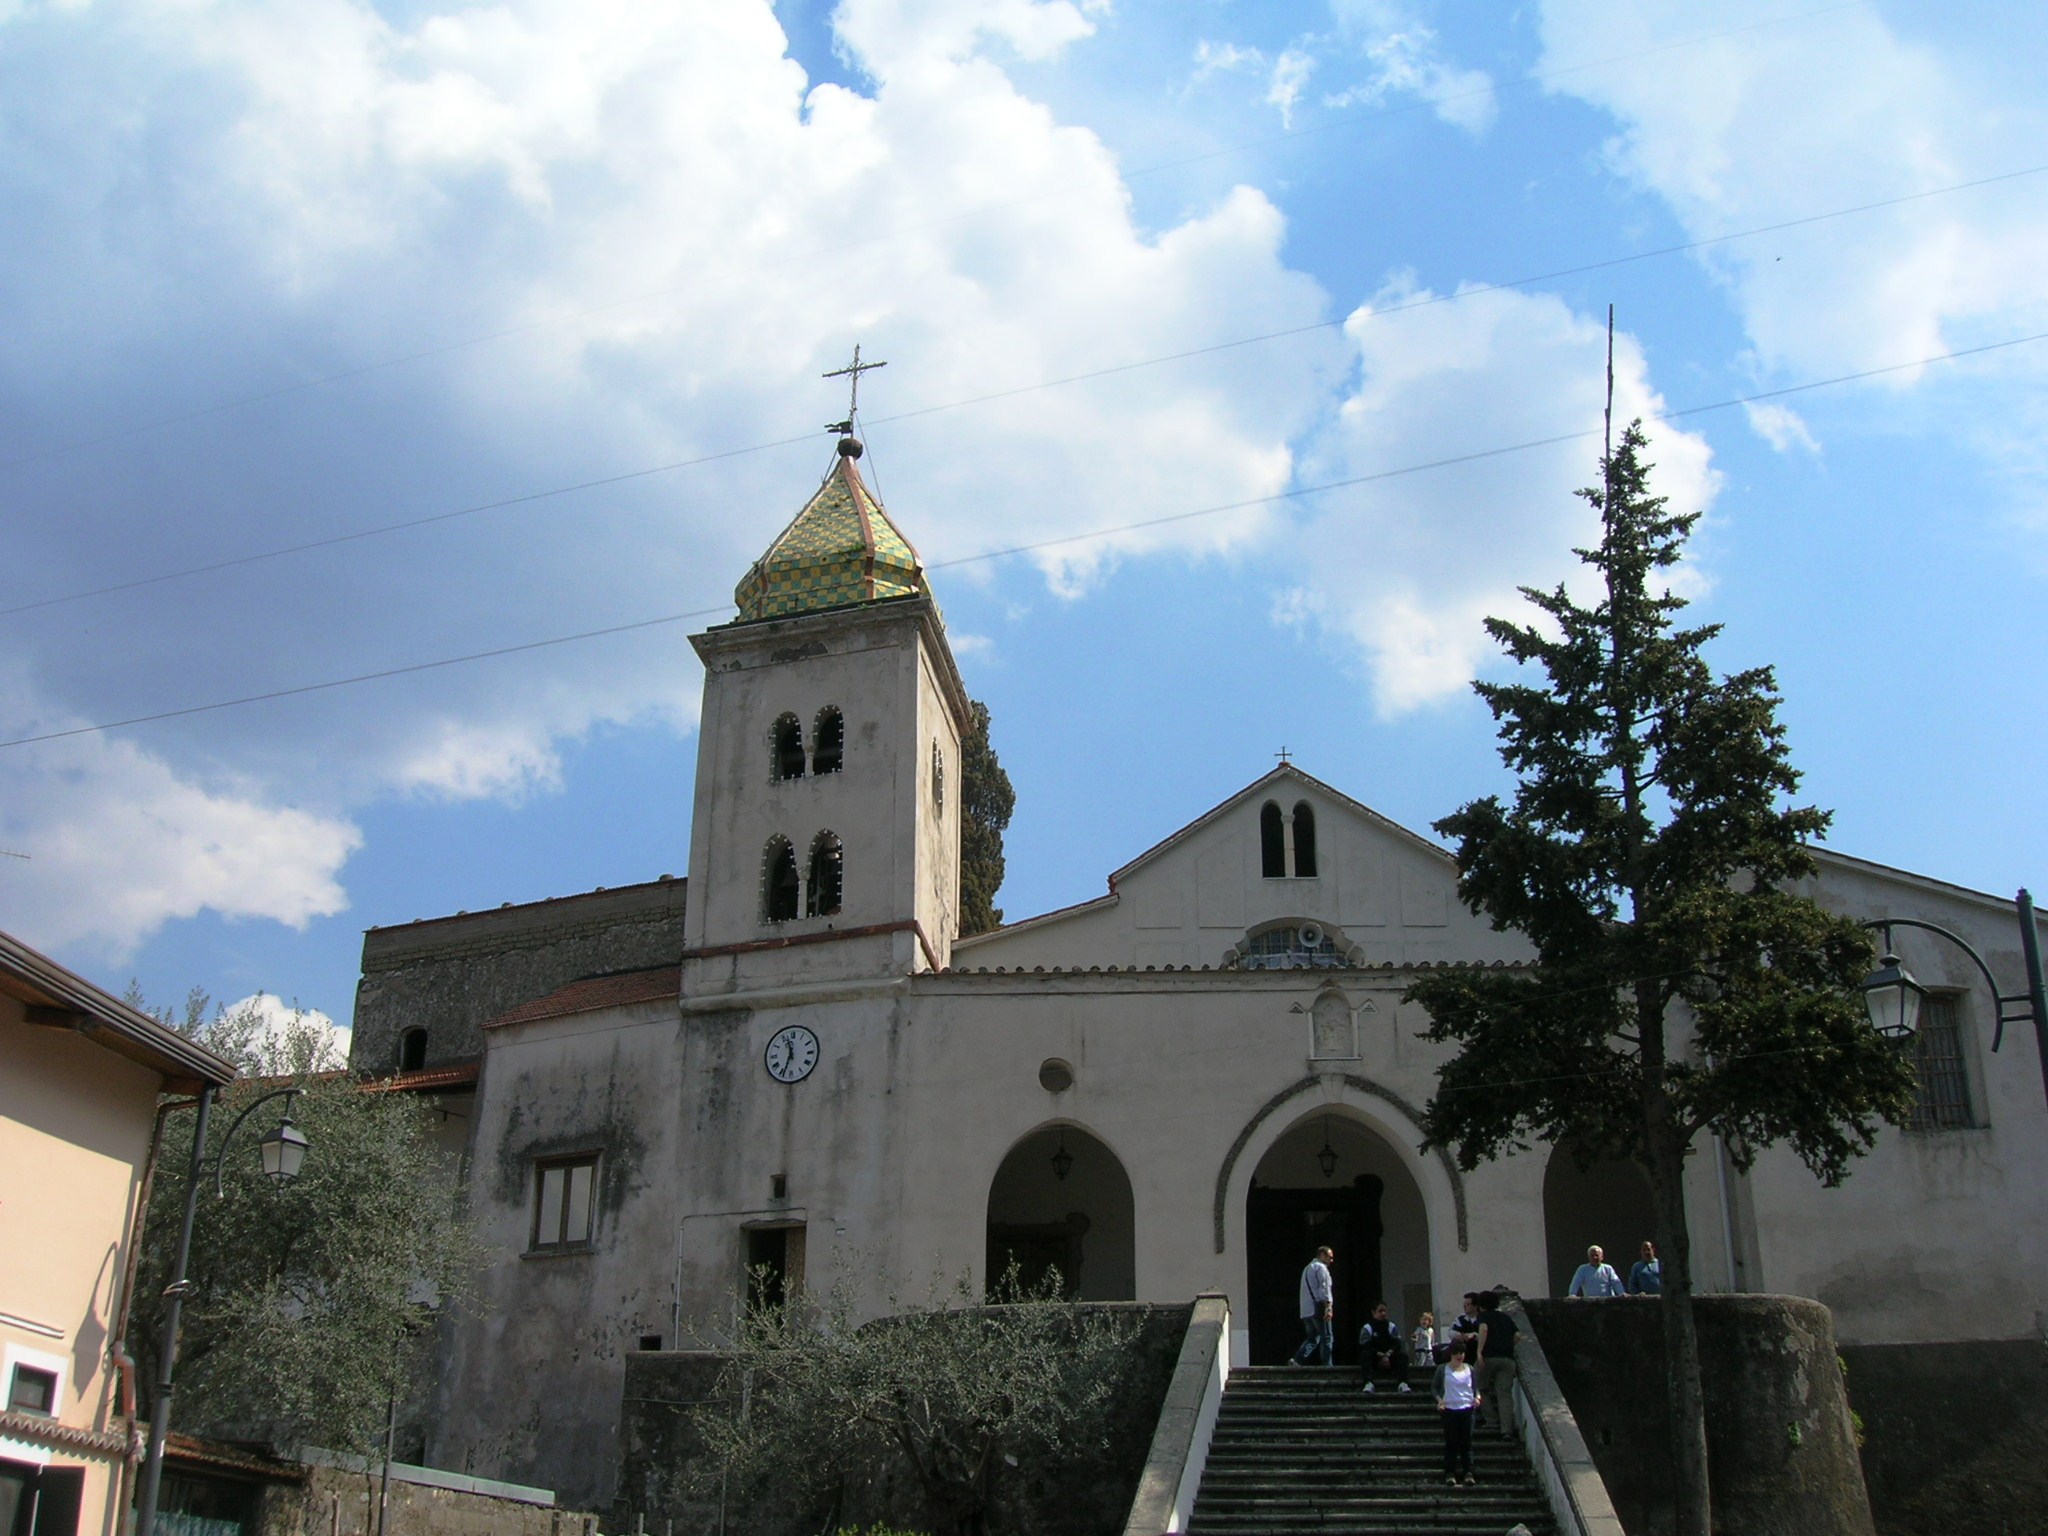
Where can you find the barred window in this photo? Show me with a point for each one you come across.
(1943, 1101)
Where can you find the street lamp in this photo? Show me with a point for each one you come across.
(282, 1151)
(1893, 997)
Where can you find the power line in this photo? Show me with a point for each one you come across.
(1042, 544)
(460, 344)
(1111, 371)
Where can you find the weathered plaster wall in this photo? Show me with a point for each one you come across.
(1935, 1235)
(1781, 1451)
(336, 1503)
(450, 975)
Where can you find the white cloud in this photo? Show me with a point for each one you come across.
(1402, 53)
(274, 1025)
(1780, 122)
(120, 843)
(1780, 426)
(222, 200)
(1289, 79)
(1404, 570)
(1222, 58)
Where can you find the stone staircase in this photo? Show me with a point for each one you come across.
(1305, 1450)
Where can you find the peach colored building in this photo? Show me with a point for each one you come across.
(81, 1076)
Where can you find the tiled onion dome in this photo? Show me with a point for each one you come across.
(841, 548)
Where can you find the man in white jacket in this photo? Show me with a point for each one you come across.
(1318, 1321)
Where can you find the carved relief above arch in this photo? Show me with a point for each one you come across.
(1363, 1085)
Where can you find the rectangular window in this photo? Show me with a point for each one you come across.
(32, 1391)
(1943, 1101)
(563, 1204)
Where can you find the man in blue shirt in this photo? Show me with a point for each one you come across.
(1596, 1277)
(1318, 1322)
(1646, 1275)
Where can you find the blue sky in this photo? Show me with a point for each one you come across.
(282, 277)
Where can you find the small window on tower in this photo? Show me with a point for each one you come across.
(825, 870)
(779, 888)
(828, 741)
(412, 1050)
(786, 752)
(1272, 842)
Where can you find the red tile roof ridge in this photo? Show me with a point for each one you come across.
(649, 984)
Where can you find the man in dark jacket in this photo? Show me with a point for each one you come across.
(1380, 1350)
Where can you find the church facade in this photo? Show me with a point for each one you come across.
(792, 1066)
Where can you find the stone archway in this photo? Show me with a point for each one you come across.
(1607, 1202)
(1367, 1206)
(1061, 1200)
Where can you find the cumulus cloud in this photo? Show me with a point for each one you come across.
(119, 842)
(1780, 122)
(1289, 79)
(1403, 571)
(667, 233)
(1403, 58)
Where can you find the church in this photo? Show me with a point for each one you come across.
(791, 1061)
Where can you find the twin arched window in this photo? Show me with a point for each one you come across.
(1280, 836)
(786, 744)
(786, 894)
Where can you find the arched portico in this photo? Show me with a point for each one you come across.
(1607, 1203)
(1061, 1200)
(1391, 1211)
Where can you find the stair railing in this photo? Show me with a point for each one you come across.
(1578, 1496)
(1180, 1445)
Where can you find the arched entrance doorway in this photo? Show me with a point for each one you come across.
(1607, 1203)
(1061, 1200)
(1332, 1180)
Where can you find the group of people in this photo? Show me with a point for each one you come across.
(1597, 1277)
(1474, 1358)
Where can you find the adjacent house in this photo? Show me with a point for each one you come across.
(81, 1077)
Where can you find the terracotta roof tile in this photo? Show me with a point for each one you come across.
(594, 992)
(455, 1075)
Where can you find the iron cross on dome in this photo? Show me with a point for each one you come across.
(854, 370)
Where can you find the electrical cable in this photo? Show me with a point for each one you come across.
(998, 554)
(1534, 77)
(1007, 394)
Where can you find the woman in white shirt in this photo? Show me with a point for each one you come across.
(1457, 1398)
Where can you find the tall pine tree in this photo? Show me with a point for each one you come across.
(986, 804)
(1680, 988)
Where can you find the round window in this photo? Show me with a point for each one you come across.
(1055, 1076)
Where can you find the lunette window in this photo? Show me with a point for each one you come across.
(564, 1203)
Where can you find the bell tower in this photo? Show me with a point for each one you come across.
(825, 833)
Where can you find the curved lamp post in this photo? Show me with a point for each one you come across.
(283, 1151)
(1893, 997)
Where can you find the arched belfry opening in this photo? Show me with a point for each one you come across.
(1062, 1201)
(1607, 1202)
(1331, 1179)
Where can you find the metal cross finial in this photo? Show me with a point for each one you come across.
(854, 370)
(1284, 755)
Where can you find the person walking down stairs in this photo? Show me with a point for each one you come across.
(1457, 1399)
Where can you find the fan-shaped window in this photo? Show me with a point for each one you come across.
(828, 741)
(1304, 839)
(825, 871)
(786, 754)
(1294, 947)
(779, 889)
(1272, 842)
(412, 1050)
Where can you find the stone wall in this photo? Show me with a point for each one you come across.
(1955, 1435)
(1076, 1495)
(1780, 1446)
(449, 975)
(333, 1502)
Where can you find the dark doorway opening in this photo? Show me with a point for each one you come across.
(775, 1265)
(1283, 1229)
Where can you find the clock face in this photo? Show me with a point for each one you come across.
(791, 1054)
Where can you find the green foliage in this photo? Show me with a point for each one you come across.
(308, 1300)
(1647, 854)
(811, 1401)
(986, 804)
